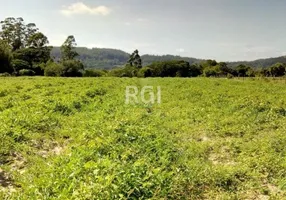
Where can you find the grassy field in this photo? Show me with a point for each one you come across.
(77, 139)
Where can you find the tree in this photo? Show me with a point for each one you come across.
(211, 62)
(173, 68)
(37, 40)
(72, 68)
(68, 49)
(242, 70)
(209, 68)
(221, 69)
(135, 60)
(264, 72)
(210, 72)
(19, 64)
(5, 58)
(195, 70)
(250, 72)
(53, 69)
(277, 70)
(29, 46)
(16, 33)
(35, 57)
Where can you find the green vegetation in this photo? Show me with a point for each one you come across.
(27, 47)
(77, 139)
(24, 51)
(97, 58)
(171, 69)
(135, 60)
(5, 58)
(94, 73)
(110, 58)
(208, 68)
(260, 63)
(150, 59)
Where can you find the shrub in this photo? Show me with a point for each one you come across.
(210, 72)
(20, 64)
(96, 92)
(5, 74)
(72, 68)
(229, 76)
(53, 69)
(93, 73)
(145, 72)
(26, 72)
(117, 72)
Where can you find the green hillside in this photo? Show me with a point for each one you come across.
(97, 58)
(260, 63)
(109, 58)
(149, 59)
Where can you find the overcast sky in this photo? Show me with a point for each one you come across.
(225, 30)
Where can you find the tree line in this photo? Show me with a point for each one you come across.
(25, 51)
(181, 68)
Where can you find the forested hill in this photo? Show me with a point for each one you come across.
(97, 57)
(111, 58)
(260, 63)
(149, 59)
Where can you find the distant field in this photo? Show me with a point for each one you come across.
(75, 138)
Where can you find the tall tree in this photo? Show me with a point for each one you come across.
(68, 49)
(5, 58)
(37, 40)
(29, 46)
(135, 60)
(71, 66)
(16, 33)
(36, 53)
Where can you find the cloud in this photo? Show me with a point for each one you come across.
(180, 50)
(82, 9)
(127, 23)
